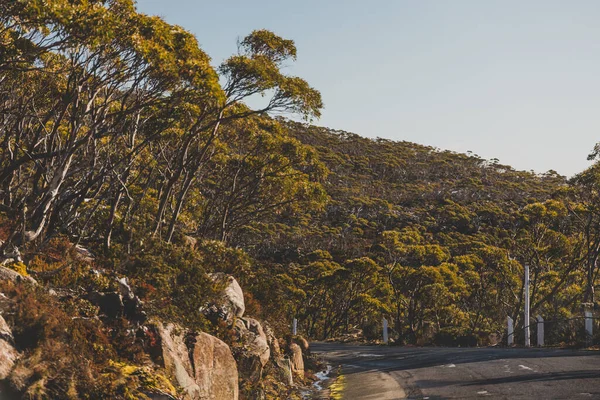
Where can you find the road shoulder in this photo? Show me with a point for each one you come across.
(376, 385)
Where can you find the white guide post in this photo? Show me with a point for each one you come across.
(295, 327)
(540, 331)
(589, 327)
(510, 331)
(526, 321)
(385, 331)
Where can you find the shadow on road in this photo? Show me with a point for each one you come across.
(389, 359)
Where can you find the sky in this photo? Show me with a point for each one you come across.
(514, 80)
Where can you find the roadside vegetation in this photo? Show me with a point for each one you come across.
(119, 140)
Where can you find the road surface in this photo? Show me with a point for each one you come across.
(389, 373)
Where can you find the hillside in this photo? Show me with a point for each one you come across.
(402, 215)
(158, 236)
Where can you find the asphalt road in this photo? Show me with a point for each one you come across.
(388, 373)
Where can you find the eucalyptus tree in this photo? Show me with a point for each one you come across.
(255, 70)
(87, 96)
(259, 171)
(584, 206)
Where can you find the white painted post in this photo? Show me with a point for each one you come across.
(510, 331)
(540, 331)
(589, 327)
(526, 321)
(295, 327)
(385, 331)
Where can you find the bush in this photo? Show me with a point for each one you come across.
(173, 283)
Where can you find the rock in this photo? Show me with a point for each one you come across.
(8, 354)
(202, 364)
(132, 305)
(5, 331)
(12, 275)
(284, 370)
(119, 304)
(303, 343)
(256, 351)
(12, 254)
(272, 341)
(110, 303)
(230, 303)
(297, 363)
(176, 359)
(215, 369)
(257, 339)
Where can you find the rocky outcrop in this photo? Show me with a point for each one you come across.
(296, 360)
(284, 370)
(201, 364)
(119, 303)
(303, 343)
(14, 276)
(132, 305)
(109, 303)
(272, 341)
(256, 351)
(230, 303)
(215, 369)
(176, 359)
(8, 354)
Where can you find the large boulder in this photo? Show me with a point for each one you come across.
(176, 359)
(230, 302)
(215, 369)
(201, 364)
(8, 354)
(256, 352)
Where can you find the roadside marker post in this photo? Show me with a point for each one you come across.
(385, 331)
(510, 331)
(295, 327)
(527, 322)
(540, 331)
(589, 328)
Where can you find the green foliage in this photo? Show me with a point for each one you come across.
(174, 282)
(447, 232)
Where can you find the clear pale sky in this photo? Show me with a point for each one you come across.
(513, 80)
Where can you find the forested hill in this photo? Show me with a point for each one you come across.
(406, 174)
(420, 235)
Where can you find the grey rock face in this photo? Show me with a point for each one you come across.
(8, 354)
(202, 365)
(230, 303)
(256, 348)
(215, 369)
